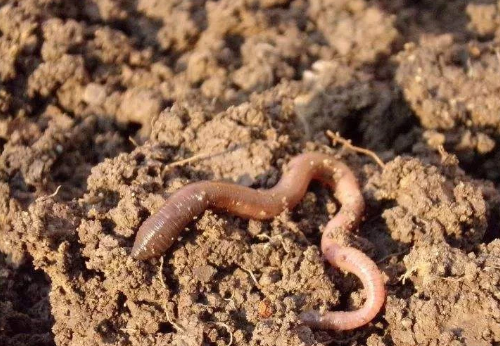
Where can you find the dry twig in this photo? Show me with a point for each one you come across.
(336, 137)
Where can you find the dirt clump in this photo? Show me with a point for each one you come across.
(453, 91)
(455, 300)
(447, 270)
(432, 204)
(354, 29)
(485, 19)
(40, 157)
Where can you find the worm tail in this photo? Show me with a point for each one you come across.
(356, 262)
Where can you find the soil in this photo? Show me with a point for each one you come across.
(100, 98)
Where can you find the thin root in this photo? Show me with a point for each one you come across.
(171, 321)
(230, 299)
(407, 274)
(183, 162)
(227, 329)
(133, 141)
(336, 137)
(160, 273)
(201, 156)
(454, 279)
(251, 275)
(43, 198)
(446, 157)
(265, 236)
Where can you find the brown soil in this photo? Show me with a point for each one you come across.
(100, 97)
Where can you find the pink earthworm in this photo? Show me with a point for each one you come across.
(162, 229)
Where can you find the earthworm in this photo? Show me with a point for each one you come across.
(162, 229)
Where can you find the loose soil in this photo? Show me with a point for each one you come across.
(98, 98)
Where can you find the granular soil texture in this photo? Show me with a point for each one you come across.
(99, 99)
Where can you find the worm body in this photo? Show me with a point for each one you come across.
(162, 229)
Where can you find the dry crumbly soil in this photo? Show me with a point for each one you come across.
(99, 97)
